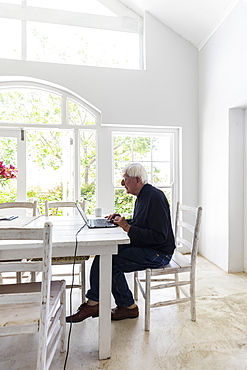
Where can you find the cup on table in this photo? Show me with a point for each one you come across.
(98, 212)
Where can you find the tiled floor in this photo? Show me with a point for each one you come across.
(217, 340)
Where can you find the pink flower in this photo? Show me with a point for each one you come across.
(7, 172)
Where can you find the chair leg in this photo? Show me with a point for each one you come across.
(147, 299)
(18, 277)
(33, 276)
(62, 319)
(135, 286)
(177, 287)
(83, 280)
(192, 299)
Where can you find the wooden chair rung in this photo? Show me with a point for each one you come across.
(35, 307)
(186, 234)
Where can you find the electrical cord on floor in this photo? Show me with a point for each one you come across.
(71, 289)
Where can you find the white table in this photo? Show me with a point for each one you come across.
(102, 242)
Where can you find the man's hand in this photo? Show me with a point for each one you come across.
(121, 221)
(112, 216)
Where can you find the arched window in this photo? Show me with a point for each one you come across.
(50, 134)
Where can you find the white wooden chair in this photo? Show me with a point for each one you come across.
(33, 206)
(37, 306)
(49, 205)
(33, 209)
(187, 228)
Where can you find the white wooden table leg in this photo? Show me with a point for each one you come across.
(105, 307)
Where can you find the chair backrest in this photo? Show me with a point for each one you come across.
(187, 227)
(22, 205)
(61, 204)
(28, 235)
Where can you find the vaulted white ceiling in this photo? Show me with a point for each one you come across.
(194, 20)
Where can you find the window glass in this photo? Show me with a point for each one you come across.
(88, 169)
(82, 46)
(8, 150)
(18, 2)
(30, 106)
(49, 165)
(154, 151)
(11, 42)
(82, 6)
(78, 115)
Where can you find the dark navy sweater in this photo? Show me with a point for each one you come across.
(151, 222)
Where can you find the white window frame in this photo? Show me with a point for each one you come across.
(105, 199)
(104, 145)
(125, 21)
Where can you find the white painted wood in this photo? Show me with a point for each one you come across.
(27, 205)
(35, 212)
(102, 242)
(104, 305)
(178, 264)
(134, 24)
(36, 306)
(70, 260)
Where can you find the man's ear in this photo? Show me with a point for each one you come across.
(138, 179)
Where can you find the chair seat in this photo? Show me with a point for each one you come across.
(66, 260)
(14, 317)
(179, 262)
(70, 259)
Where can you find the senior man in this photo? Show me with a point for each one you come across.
(151, 246)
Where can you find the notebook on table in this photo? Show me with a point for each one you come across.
(93, 223)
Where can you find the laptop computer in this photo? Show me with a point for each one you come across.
(93, 223)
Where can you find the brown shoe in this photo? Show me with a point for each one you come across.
(121, 313)
(83, 312)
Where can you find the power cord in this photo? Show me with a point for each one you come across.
(71, 289)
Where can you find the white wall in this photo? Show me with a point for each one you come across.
(223, 85)
(164, 94)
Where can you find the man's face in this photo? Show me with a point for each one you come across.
(130, 184)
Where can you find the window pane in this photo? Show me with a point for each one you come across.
(8, 150)
(78, 115)
(83, 46)
(124, 203)
(153, 151)
(161, 144)
(161, 174)
(122, 148)
(11, 42)
(30, 106)
(118, 172)
(82, 6)
(49, 165)
(18, 2)
(168, 194)
(141, 149)
(88, 169)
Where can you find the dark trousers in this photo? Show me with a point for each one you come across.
(128, 259)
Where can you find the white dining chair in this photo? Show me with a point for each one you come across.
(51, 208)
(35, 307)
(187, 230)
(32, 206)
(31, 209)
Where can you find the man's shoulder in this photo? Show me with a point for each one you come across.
(155, 192)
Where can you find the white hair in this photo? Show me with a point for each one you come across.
(136, 170)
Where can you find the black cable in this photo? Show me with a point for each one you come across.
(71, 289)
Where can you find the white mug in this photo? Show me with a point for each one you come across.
(98, 212)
